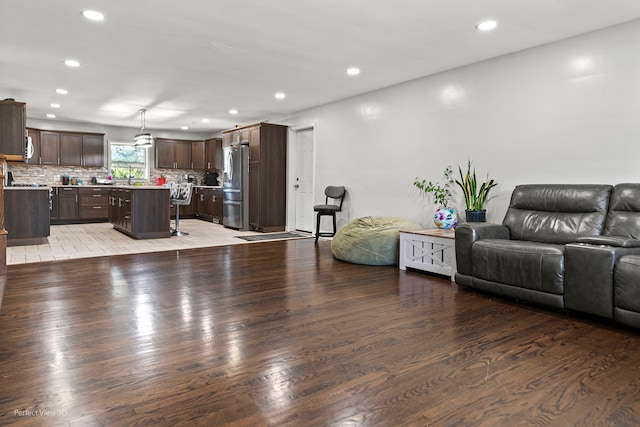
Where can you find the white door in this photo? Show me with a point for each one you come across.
(303, 181)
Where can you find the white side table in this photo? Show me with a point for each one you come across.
(429, 250)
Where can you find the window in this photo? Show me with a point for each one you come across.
(125, 158)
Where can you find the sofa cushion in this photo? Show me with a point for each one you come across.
(530, 265)
(627, 283)
(557, 213)
(623, 218)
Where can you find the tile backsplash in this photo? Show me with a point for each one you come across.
(52, 175)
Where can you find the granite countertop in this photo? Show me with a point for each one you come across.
(153, 187)
(125, 186)
(28, 188)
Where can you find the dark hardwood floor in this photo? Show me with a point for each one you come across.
(282, 334)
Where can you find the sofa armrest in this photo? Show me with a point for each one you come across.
(588, 284)
(467, 234)
(622, 242)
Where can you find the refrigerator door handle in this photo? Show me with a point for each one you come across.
(229, 165)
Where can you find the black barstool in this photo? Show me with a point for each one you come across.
(337, 194)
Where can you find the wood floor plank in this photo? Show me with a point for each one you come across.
(282, 334)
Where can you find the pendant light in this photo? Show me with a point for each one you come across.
(143, 139)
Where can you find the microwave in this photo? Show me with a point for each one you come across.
(28, 149)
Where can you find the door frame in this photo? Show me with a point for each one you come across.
(292, 168)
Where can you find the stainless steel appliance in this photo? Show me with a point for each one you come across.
(28, 149)
(211, 178)
(235, 187)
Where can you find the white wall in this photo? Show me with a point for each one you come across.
(567, 112)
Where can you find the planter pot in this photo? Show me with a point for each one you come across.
(445, 218)
(161, 181)
(476, 216)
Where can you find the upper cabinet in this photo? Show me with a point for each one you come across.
(34, 134)
(67, 148)
(71, 149)
(93, 150)
(186, 154)
(173, 154)
(213, 154)
(49, 148)
(13, 119)
(198, 151)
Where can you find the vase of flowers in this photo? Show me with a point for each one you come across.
(445, 216)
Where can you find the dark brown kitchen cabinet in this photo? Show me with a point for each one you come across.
(183, 154)
(227, 138)
(213, 154)
(26, 216)
(81, 149)
(216, 207)
(165, 153)
(67, 148)
(71, 149)
(49, 148)
(34, 134)
(13, 120)
(93, 203)
(198, 151)
(209, 204)
(173, 154)
(267, 177)
(93, 150)
(79, 204)
(142, 213)
(120, 209)
(67, 202)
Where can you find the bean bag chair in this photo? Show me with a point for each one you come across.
(371, 240)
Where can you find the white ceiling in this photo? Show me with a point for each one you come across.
(188, 60)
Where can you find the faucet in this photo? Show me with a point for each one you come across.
(129, 181)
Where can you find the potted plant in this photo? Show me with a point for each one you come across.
(445, 216)
(475, 196)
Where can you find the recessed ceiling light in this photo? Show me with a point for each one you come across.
(54, 105)
(205, 120)
(93, 15)
(51, 116)
(233, 111)
(487, 25)
(184, 127)
(280, 95)
(62, 91)
(353, 71)
(71, 63)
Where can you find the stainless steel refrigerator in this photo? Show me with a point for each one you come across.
(235, 187)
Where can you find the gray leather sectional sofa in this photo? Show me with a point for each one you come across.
(567, 246)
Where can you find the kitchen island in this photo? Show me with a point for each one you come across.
(140, 212)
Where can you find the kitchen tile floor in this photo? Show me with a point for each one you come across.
(92, 240)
